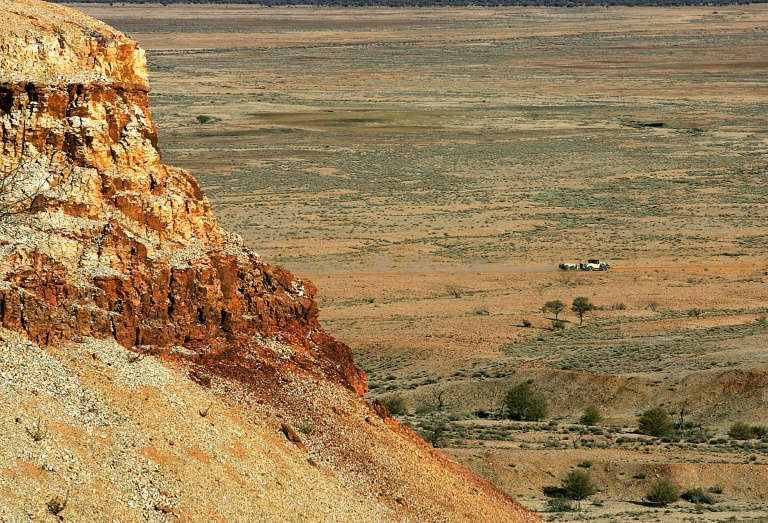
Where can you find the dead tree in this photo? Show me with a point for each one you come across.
(20, 186)
(438, 395)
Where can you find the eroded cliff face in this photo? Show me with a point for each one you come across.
(116, 244)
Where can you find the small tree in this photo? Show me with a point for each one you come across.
(524, 403)
(438, 395)
(656, 422)
(578, 485)
(554, 306)
(580, 306)
(591, 416)
(662, 493)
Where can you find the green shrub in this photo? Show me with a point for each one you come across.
(395, 405)
(662, 493)
(656, 422)
(591, 416)
(741, 430)
(698, 496)
(558, 505)
(527, 324)
(578, 485)
(558, 325)
(523, 403)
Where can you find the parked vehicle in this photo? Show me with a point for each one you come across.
(591, 265)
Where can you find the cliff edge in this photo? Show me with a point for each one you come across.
(147, 357)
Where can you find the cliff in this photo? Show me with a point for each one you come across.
(107, 255)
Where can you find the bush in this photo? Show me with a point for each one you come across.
(522, 403)
(395, 405)
(656, 422)
(741, 430)
(558, 325)
(698, 496)
(591, 416)
(204, 119)
(662, 493)
(578, 485)
(558, 505)
(527, 324)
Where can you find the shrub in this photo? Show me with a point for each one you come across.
(558, 325)
(203, 119)
(591, 416)
(434, 434)
(698, 496)
(741, 430)
(558, 505)
(524, 403)
(527, 324)
(662, 493)
(395, 405)
(715, 490)
(578, 485)
(656, 422)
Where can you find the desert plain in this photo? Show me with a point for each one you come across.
(429, 168)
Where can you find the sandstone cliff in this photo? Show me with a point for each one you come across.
(107, 254)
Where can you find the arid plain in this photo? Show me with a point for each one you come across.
(429, 168)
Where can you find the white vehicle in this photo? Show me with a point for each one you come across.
(594, 265)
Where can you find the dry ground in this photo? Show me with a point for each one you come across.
(429, 168)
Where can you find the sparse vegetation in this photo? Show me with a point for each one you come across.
(38, 431)
(57, 505)
(559, 505)
(204, 412)
(742, 431)
(698, 496)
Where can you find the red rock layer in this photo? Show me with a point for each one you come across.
(143, 261)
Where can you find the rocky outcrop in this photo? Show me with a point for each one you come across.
(115, 243)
